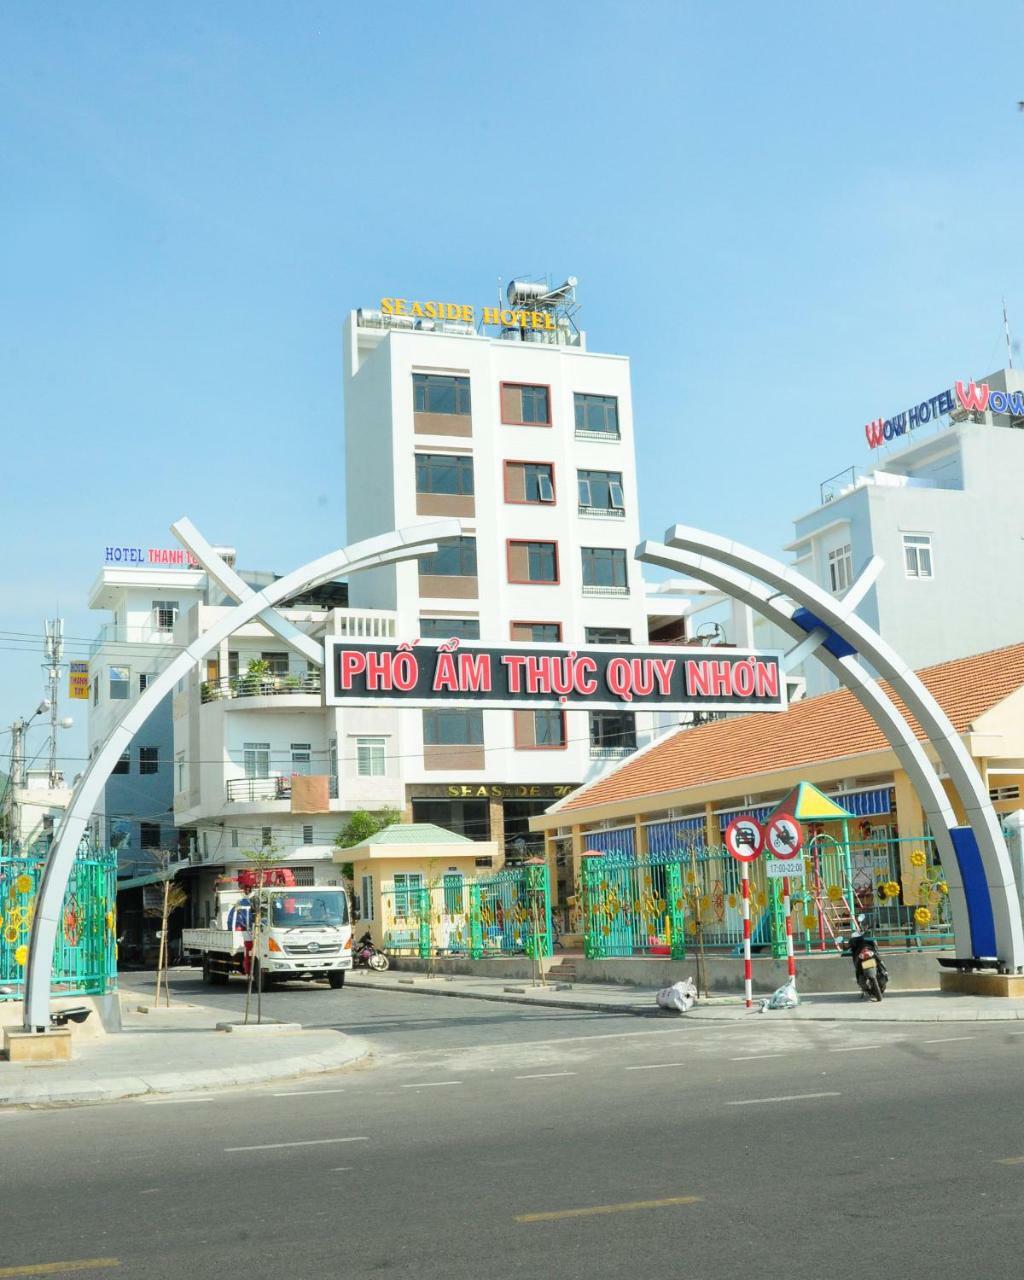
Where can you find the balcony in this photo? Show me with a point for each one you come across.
(602, 513)
(617, 592)
(268, 686)
(609, 437)
(112, 633)
(610, 753)
(254, 790)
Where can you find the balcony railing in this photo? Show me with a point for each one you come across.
(279, 787)
(612, 437)
(605, 591)
(610, 753)
(253, 686)
(614, 513)
(113, 633)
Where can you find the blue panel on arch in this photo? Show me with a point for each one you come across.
(836, 645)
(976, 892)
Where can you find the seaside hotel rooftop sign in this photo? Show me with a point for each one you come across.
(971, 396)
(511, 319)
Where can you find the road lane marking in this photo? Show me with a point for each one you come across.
(948, 1040)
(689, 1032)
(657, 1066)
(310, 1142)
(859, 1048)
(170, 1102)
(757, 1057)
(627, 1207)
(430, 1084)
(789, 1097)
(60, 1268)
(1011, 1160)
(545, 1075)
(307, 1093)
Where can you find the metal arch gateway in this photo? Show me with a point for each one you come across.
(388, 548)
(986, 915)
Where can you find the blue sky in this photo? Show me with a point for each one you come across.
(794, 218)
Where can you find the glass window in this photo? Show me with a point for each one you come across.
(277, 662)
(601, 490)
(454, 558)
(529, 482)
(537, 632)
(302, 758)
(440, 393)
(613, 729)
(144, 679)
(149, 835)
(444, 473)
(165, 613)
(332, 751)
(453, 728)
(608, 635)
(366, 898)
(266, 837)
(148, 760)
(120, 683)
(840, 569)
(525, 405)
(604, 567)
(533, 562)
(297, 910)
(406, 899)
(370, 757)
(917, 555)
(549, 728)
(256, 758)
(445, 628)
(307, 833)
(234, 837)
(597, 413)
(123, 764)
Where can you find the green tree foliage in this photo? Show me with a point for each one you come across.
(363, 824)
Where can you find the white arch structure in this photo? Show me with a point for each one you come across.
(372, 553)
(986, 915)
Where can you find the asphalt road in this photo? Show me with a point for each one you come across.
(507, 1142)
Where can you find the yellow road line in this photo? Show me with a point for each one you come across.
(60, 1268)
(1005, 1160)
(606, 1208)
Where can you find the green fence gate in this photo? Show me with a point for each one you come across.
(85, 953)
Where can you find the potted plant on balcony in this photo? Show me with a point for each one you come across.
(256, 674)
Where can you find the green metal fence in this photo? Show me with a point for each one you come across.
(85, 953)
(671, 903)
(506, 914)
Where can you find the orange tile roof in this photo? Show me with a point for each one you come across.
(830, 726)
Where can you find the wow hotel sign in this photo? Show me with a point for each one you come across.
(553, 676)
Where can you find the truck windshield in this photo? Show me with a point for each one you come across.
(297, 911)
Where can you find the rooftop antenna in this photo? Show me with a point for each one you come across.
(1006, 331)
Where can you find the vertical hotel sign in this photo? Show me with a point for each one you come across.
(78, 680)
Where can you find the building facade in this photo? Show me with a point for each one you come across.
(942, 512)
(528, 438)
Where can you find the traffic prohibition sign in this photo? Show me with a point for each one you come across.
(784, 836)
(744, 838)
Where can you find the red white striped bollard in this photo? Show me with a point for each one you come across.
(748, 977)
(787, 907)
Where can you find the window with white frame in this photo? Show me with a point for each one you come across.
(366, 898)
(407, 884)
(840, 569)
(165, 614)
(302, 758)
(917, 555)
(256, 759)
(234, 837)
(370, 757)
(307, 833)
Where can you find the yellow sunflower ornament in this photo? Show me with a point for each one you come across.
(923, 916)
(917, 858)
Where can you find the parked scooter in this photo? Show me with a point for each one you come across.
(366, 956)
(872, 975)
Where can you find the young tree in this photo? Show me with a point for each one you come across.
(363, 824)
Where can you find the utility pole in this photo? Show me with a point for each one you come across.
(16, 781)
(53, 647)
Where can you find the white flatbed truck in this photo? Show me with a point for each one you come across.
(304, 933)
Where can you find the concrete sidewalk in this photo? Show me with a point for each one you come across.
(175, 1050)
(838, 1006)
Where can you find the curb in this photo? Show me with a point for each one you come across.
(116, 1088)
(652, 1011)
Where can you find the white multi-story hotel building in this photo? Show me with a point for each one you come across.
(527, 437)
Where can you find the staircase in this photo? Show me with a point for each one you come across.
(564, 971)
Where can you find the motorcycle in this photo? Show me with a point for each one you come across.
(872, 975)
(366, 956)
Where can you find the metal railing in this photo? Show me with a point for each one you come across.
(277, 787)
(610, 753)
(261, 686)
(613, 513)
(613, 436)
(113, 633)
(605, 591)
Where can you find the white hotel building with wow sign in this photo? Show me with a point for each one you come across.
(524, 435)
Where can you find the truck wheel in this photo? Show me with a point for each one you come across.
(336, 979)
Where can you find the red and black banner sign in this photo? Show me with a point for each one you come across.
(453, 673)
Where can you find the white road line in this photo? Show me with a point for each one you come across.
(656, 1066)
(307, 1093)
(789, 1097)
(173, 1102)
(689, 1033)
(311, 1142)
(430, 1084)
(545, 1075)
(858, 1048)
(757, 1057)
(949, 1040)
